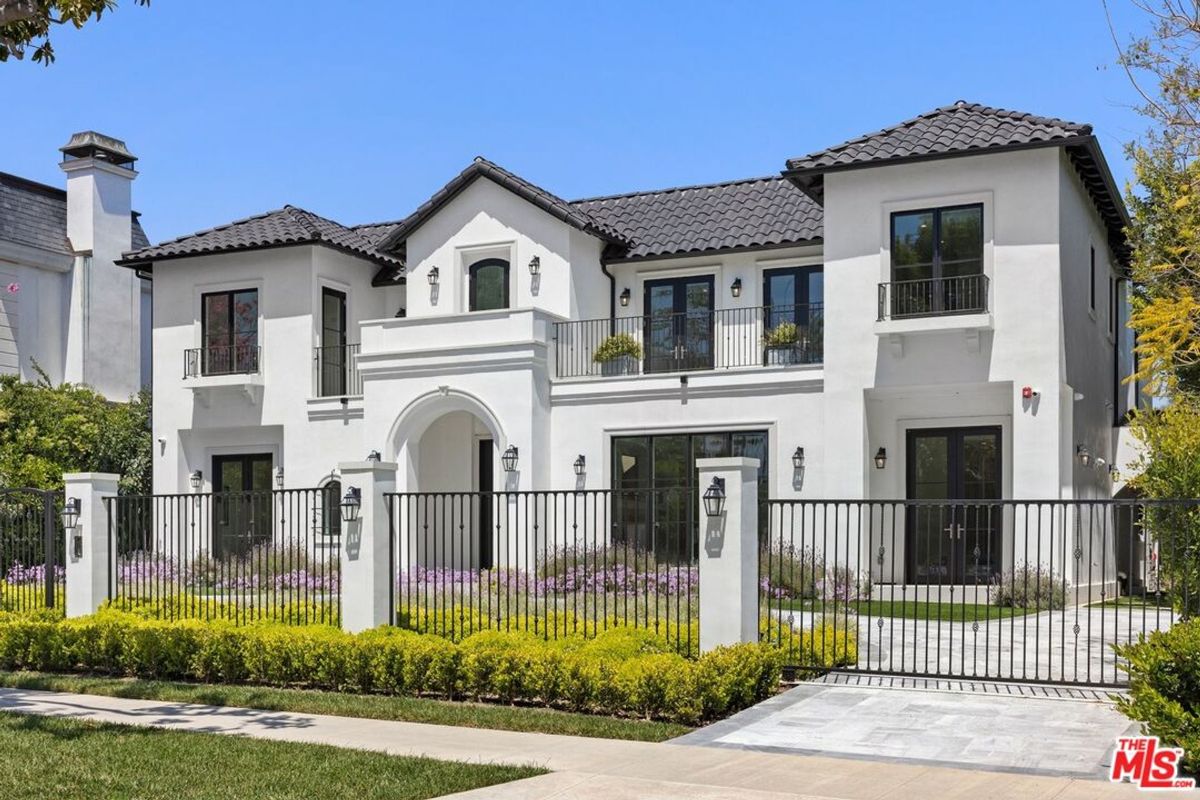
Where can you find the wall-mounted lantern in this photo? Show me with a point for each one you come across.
(433, 276)
(509, 459)
(580, 465)
(535, 265)
(1084, 455)
(736, 287)
(279, 477)
(196, 479)
(798, 458)
(625, 297)
(70, 521)
(351, 502)
(714, 497)
(881, 458)
(374, 456)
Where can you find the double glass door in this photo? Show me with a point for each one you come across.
(679, 324)
(955, 536)
(334, 357)
(243, 503)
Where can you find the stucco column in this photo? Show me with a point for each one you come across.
(729, 554)
(367, 547)
(88, 573)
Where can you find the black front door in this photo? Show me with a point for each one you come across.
(957, 541)
(333, 343)
(242, 503)
(486, 502)
(679, 324)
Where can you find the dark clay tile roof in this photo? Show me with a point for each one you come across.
(756, 212)
(35, 215)
(482, 168)
(285, 226)
(950, 130)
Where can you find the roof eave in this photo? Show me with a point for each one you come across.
(147, 264)
(714, 251)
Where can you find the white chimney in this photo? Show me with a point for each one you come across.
(104, 338)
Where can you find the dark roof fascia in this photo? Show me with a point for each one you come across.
(382, 277)
(716, 251)
(147, 264)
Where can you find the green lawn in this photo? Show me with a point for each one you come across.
(65, 759)
(958, 612)
(407, 709)
(1149, 602)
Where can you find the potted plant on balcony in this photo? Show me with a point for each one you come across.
(619, 354)
(781, 344)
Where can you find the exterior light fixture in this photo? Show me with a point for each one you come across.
(1113, 472)
(580, 465)
(736, 287)
(351, 503)
(196, 479)
(1084, 455)
(625, 297)
(881, 458)
(798, 458)
(714, 497)
(535, 265)
(374, 456)
(509, 459)
(279, 477)
(70, 513)
(433, 276)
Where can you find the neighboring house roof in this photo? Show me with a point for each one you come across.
(482, 168)
(280, 228)
(964, 129)
(35, 215)
(755, 212)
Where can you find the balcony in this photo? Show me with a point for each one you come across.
(335, 371)
(932, 305)
(221, 368)
(734, 338)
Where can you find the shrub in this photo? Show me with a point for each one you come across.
(785, 334)
(617, 345)
(1164, 688)
(1029, 587)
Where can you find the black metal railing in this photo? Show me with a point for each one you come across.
(931, 297)
(1001, 590)
(335, 371)
(32, 543)
(696, 340)
(240, 556)
(240, 359)
(554, 563)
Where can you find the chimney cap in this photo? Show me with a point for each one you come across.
(90, 144)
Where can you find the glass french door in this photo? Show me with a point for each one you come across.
(243, 504)
(679, 324)
(796, 296)
(333, 343)
(957, 540)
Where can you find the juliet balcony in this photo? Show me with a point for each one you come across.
(775, 336)
(934, 305)
(335, 371)
(220, 368)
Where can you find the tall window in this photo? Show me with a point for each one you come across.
(1112, 305)
(795, 296)
(488, 284)
(937, 261)
(229, 328)
(1092, 279)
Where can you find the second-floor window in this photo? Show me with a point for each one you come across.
(488, 288)
(792, 314)
(937, 261)
(229, 328)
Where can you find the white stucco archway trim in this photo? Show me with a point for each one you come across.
(415, 418)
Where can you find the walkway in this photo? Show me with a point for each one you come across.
(586, 768)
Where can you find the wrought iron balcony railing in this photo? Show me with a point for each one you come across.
(335, 371)
(239, 359)
(933, 297)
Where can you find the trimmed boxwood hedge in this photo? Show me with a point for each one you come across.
(1164, 688)
(623, 671)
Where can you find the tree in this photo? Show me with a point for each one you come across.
(47, 430)
(27, 23)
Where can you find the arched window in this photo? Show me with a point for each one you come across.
(488, 284)
(327, 517)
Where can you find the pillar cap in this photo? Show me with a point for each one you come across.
(367, 466)
(82, 477)
(735, 462)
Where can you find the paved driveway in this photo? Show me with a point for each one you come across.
(993, 726)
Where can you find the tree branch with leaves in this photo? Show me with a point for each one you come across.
(27, 24)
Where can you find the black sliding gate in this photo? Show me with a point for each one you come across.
(993, 590)
(31, 549)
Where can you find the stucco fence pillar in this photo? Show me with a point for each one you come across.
(88, 570)
(366, 551)
(729, 554)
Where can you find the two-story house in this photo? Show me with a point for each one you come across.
(934, 310)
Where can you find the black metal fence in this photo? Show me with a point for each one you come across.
(241, 359)
(1002, 590)
(930, 297)
(693, 340)
(240, 556)
(335, 371)
(32, 547)
(555, 563)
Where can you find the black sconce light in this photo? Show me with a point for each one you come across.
(509, 459)
(70, 520)
(625, 297)
(881, 458)
(433, 276)
(798, 458)
(714, 497)
(1085, 455)
(374, 456)
(736, 287)
(580, 465)
(535, 265)
(351, 503)
(279, 477)
(196, 479)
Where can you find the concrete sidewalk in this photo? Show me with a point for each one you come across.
(583, 768)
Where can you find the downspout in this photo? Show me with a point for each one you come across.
(612, 297)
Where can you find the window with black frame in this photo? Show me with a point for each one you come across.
(488, 284)
(229, 329)
(793, 318)
(937, 262)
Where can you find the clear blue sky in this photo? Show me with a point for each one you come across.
(360, 110)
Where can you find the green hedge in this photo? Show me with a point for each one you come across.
(1164, 688)
(622, 671)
